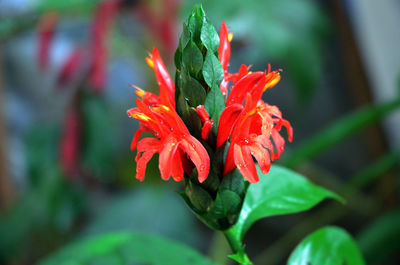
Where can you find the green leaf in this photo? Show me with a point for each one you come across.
(226, 203)
(235, 182)
(209, 36)
(185, 37)
(195, 22)
(193, 91)
(126, 248)
(135, 210)
(380, 239)
(198, 197)
(329, 246)
(178, 58)
(212, 70)
(340, 130)
(192, 58)
(279, 192)
(214, 104)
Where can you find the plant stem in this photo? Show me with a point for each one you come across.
(231, 237)
(237, 247)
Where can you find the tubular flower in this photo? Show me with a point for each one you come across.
(224, 54)
(174, 144)
(205, 119)
(252, 125)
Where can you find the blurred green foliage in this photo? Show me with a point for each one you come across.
(127, 248)
(292, 32)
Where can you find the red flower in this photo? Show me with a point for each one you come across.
(248, 120)
(224, 54)
(205, 119)
(173, 141)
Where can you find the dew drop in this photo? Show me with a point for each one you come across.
(202, 168)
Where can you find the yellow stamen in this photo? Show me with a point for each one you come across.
(149, 62)
(140, 116)
(140, 92)
(230, 37)
(161, 108)
(273, 82)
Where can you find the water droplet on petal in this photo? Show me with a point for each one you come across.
(202, 168)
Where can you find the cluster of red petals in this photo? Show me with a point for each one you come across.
(178, 150)
(247, 119)
(252, 125)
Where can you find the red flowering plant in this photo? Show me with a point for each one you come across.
(212, 129)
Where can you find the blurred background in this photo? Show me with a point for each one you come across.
(66, 169)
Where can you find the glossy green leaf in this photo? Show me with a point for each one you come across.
(192, 58)
(185, 37)
(280, 191)
(212, 70)
(126, 248)
(380, 239)
(235, 182)
(195, 22)
(209, 36)
(199, 198)
(214, 104)
(329, 246)
(226, 203)
(193, 91)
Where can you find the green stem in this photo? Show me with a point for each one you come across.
(233, 241)
(237, 247)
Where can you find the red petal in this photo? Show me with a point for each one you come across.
(229, 161)
(201, 111)
(205, 131)
(166, 161)
(245, 163)
(261, 155)
(198, 155)
(242, 87)
(224, 49)
(279, 143)
(148, 144)
(227, 120)
(167, 87)
(177, 169)
(142, 163)
(136, 137)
